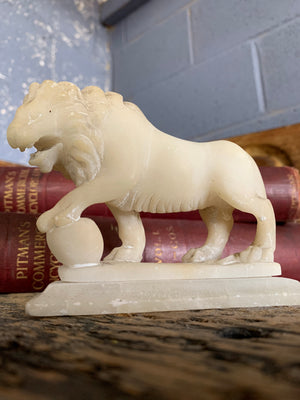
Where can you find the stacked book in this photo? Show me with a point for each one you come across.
(27, 264)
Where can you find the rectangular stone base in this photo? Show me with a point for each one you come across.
(87, 298)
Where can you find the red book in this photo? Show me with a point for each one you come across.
(27, 264)
(27, 190)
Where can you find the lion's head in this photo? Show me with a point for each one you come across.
(62, 123)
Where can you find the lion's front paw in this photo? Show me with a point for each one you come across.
(63, 219)
(45, 222)
(205, 254)
(50, 219)
(122, 253)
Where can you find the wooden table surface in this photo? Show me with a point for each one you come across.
(232, 354)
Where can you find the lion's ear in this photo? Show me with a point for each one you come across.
(83, 161)
(93, 95)
(31, 92)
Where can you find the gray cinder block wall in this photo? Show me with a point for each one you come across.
(208, 69)
(48, 39)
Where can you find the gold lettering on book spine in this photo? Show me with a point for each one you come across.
(157, 247)
(39, 261)
(33, 193)
(21, 191)
(173, 242)
(23, 250)
(53, 271)
(8, 199)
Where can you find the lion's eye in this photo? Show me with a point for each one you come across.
(50, 110)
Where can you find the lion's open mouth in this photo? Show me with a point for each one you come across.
(46, 156)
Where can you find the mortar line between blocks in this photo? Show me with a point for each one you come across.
(190, 35)
(258, 78)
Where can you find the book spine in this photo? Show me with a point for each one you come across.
(283, 189)
(27, 190)
(28, 265)
(169, 240)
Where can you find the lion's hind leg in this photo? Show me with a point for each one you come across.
(218, 221)
(132, 235)
(263, 247)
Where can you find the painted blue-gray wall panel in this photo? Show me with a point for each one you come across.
(48, 39)
(218, 25)
(204, 98)
(146, 61)
(150, 14)
(216, 30)
(280, 56)
(114, 11)
(117, 35)
(265, 122)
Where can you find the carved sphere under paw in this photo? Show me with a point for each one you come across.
(80, 242)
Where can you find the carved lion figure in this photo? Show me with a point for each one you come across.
(116, 156)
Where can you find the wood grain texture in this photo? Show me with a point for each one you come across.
(241, 354)
(280, 146)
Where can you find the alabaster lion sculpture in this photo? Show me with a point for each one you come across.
(116, 156)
